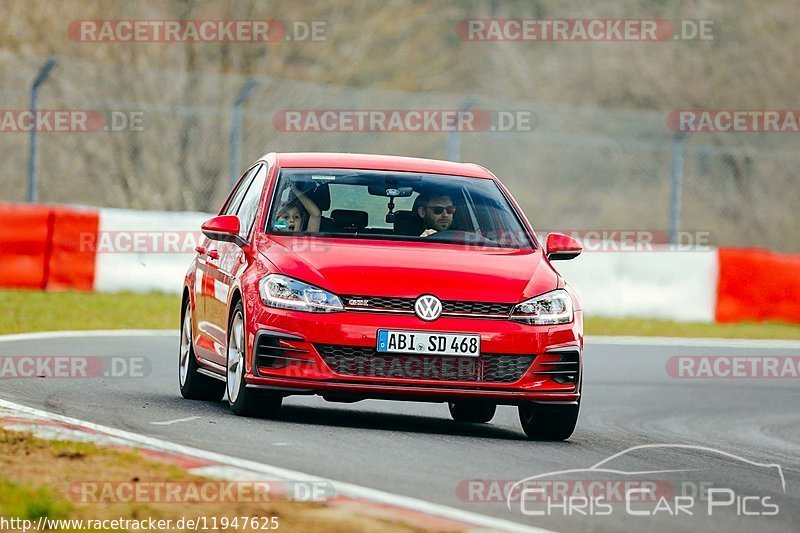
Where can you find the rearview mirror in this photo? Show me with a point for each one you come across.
(392, 191)
(560, 247)
(223, 228)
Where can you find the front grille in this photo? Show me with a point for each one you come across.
(476, 308)
(366, 362)
(381, 302)
(449, 307)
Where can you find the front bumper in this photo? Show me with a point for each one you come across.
(285, 356)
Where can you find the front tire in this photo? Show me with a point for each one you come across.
(194, 385)
(244, 401)
(472, 411)
(548, 422)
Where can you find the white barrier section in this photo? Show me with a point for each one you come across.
(675, 285)
(145, 251)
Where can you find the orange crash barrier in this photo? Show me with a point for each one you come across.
(757, 285)
(72, 263)
(24, 240)
(41, 247)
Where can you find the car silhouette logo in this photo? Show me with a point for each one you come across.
(603, 468)
(428, 307)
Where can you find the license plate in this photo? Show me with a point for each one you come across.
(420, 342)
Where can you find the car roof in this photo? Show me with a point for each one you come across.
(378, 162)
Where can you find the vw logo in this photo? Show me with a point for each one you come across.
(428, 307)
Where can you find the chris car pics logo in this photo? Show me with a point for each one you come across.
(693, 488)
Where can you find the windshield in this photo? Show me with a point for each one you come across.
(394, 205)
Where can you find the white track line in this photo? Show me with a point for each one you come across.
(590, 340)
(699, 341)
(347, 489)
(179, 420)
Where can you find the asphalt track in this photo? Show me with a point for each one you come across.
(414, 449)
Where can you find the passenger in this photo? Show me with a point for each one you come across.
(436, 212)
(294, 211)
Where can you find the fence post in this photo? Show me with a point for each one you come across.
(41, 77)
(677, 183)
(453, 138)
(236, 128)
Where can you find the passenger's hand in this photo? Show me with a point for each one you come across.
(428, 232)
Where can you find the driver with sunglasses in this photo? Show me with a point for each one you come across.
(436, 212)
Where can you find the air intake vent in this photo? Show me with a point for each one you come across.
(564, 370)
(272, 351)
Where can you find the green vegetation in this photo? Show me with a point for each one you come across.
(30, 503)
(25, 311)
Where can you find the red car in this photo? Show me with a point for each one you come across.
(361, 276)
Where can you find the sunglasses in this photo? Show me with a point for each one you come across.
(438, 209)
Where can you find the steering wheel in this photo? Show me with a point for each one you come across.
(459, 235)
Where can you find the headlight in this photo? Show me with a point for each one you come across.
(287, 293)
(553, 307)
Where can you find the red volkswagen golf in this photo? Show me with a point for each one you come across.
(360, 276)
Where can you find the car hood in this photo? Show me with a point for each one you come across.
(408, 269)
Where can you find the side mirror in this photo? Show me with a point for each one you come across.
(223, 228)
(560, 247)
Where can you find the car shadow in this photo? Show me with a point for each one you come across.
(326, 416)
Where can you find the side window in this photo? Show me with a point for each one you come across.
(236, 198)
(251, 201)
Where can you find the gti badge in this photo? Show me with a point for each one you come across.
(428, 307)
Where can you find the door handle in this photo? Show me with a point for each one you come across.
(213, 254)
